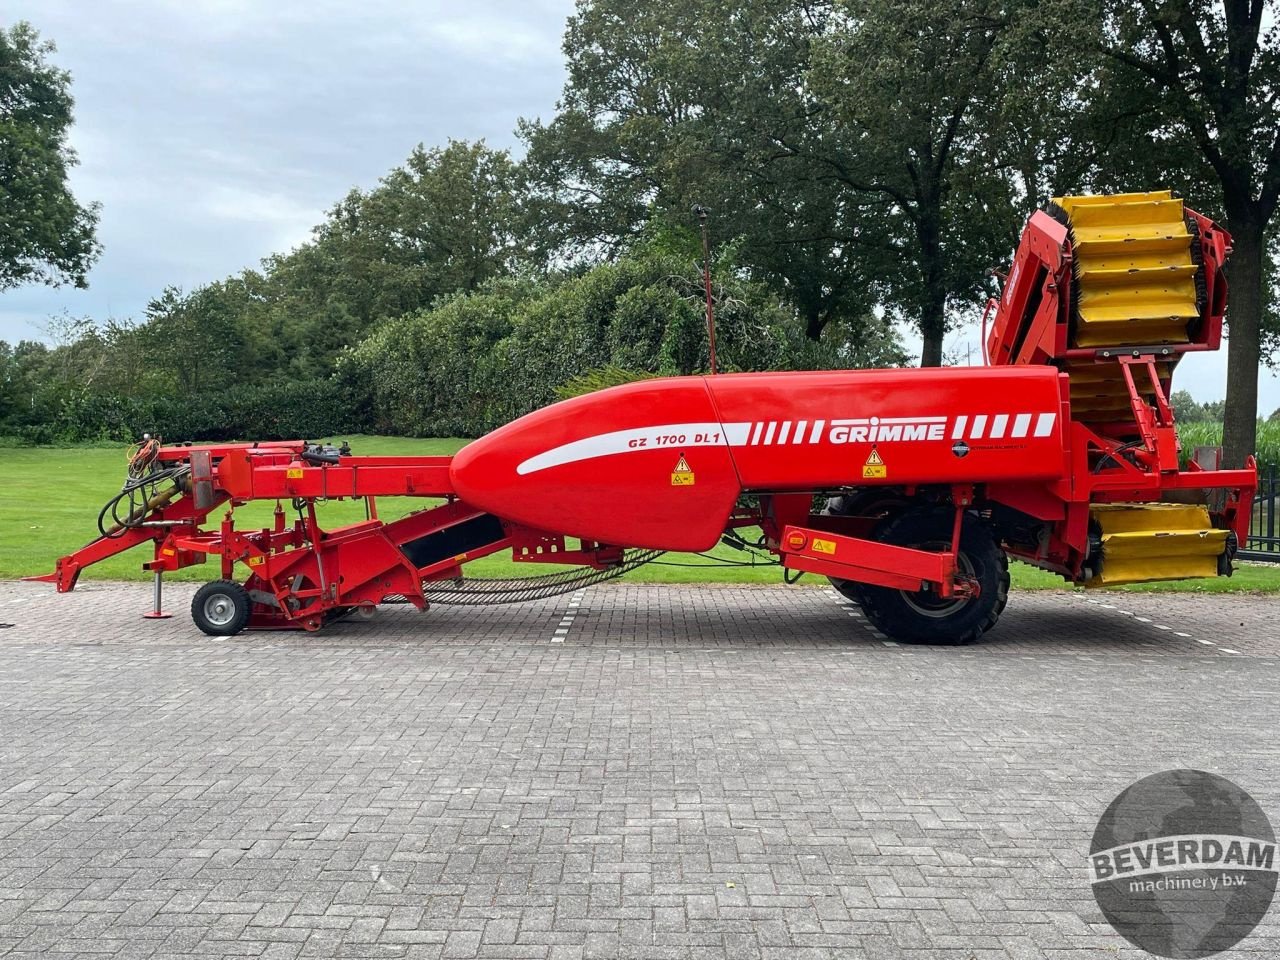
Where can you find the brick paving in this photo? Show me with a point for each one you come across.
(642, 772)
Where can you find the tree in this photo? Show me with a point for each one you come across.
(683, 101)
(45, 234)
(22, 376)
(1185, 408)
(921, 85)
(1193, 85)
(443, 222)
(707, 101)
(857, 149)
(194, 338)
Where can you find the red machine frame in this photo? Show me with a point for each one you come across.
(300, 573)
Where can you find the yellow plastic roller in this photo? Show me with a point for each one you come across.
(1142, 542)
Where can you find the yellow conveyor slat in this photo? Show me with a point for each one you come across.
(1134, 286)
(1135, 278)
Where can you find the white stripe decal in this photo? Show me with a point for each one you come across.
(674, 436)
(1044, 424)
(632, 441)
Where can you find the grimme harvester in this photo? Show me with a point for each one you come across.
(1060, 451)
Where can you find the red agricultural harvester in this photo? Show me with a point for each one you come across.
(1060, 451)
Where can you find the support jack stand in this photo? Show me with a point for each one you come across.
(158, 612)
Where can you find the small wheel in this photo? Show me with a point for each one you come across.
(221, 608)
(924, 617)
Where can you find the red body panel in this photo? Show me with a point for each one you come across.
(809, 431)
(608, 466)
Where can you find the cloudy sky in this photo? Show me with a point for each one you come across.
(215, 132)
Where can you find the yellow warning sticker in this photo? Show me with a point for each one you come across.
(255, 561)
(682, 475)
(293, 473)
(874, 468)
(824, 546)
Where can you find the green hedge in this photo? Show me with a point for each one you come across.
(276, 411)
(479, 360)
(468, 364)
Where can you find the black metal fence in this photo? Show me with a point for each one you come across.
(1264, 524)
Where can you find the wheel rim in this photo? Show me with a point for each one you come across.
(219, 609)
(929, 604)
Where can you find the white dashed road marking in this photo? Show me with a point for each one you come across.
(852, 610)
(562, 631)
(1161, 626)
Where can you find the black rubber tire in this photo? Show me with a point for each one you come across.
(901, 616)
(221, 608)
(868, 502)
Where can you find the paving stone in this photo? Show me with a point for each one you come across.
(687, 773)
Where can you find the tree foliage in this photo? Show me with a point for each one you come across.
(684, 101)
(441, 223)
(917, 88)
(871, 152)
(46, 236)
(1187, 410)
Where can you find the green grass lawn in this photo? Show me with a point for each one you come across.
(50, 498)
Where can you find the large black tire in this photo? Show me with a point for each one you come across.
(221, 608)
(873, 502)
(924, 617)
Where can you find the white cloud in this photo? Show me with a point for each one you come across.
(216, 132)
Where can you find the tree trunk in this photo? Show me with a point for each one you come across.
(1244, 312)
(933, 306)
(931, 329)
(933, 310)
(815, 321)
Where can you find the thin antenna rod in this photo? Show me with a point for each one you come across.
(701, 213)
